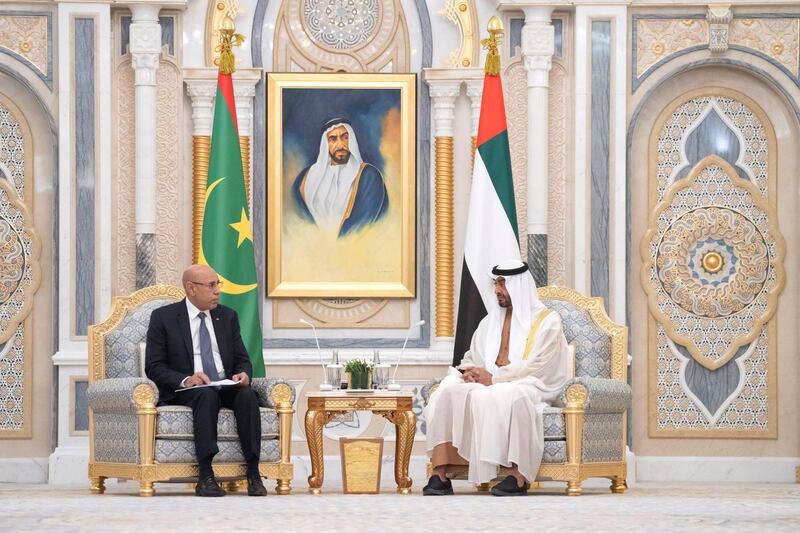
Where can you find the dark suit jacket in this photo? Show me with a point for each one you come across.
(169, 357)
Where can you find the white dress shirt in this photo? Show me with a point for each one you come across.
(194, 327)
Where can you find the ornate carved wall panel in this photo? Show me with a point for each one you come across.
(516, 98)
(712, 269)
(19, 272)
(656, 39)
(171, 185)
(341, 35)
(515, 88)
(350, 36)
(124, 237)
(28, 37)
(659, 38)
(172, 245)
(557, 170)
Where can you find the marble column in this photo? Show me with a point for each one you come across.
(443, 94)
(475, 93)
(538, 46)
(145, 47)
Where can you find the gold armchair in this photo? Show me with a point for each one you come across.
(585, 428)
(131, 437)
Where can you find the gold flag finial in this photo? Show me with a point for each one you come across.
(495, 28)
(227, 40)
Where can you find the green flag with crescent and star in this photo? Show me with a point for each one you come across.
(227, 235)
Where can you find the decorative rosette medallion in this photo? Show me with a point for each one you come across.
(713, 262)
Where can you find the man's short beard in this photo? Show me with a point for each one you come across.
(340, 161)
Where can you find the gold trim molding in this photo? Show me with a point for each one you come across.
(463, 14)
(217, 11)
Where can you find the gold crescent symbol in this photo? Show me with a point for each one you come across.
(228, 287)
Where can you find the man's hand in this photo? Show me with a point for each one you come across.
(198, 378)
(478, 375)
(242, 378)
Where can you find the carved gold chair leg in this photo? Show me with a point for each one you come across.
(574, 488)
(482, 487)
(618, 485)
(97, 485)
(284, 487)
(146, 488)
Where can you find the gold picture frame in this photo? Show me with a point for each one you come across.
(354, 237)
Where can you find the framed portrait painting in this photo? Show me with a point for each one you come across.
(341, 185)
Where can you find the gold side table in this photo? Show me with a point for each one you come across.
(393, 406)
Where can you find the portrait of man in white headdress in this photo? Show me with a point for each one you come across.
(340, 192)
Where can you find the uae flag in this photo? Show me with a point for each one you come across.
(227, 234)
(492, 235)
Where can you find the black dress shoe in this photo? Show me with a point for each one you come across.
(437, 487)
(209, 487)
(255, 487)
(509, 487)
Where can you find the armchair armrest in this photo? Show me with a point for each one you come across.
(604, 395)
(265, 387)
(116, 395)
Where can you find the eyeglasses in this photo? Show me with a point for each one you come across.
(213, 285)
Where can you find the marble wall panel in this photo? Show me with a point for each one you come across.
(85, 169)
(600, 156)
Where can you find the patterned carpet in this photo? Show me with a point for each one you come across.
(645, 507)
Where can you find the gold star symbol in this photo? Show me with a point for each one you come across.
(244, 229)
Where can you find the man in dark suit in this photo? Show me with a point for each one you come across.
(194, 342)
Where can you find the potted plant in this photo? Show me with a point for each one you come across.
(359, 372)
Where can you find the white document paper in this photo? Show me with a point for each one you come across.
(220, 383)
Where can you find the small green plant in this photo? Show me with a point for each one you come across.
(358, 366)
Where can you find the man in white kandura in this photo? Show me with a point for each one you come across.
(488, 411)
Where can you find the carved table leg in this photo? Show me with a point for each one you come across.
(97, 485)
(315, 422)
(405, 427)
(314, 425)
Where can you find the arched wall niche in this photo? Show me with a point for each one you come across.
(28, 132)
(772, 98)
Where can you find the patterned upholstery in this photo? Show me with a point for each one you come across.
(175, 422)
(122, 343)
(605, 395)
(116, 395)
(602, 437)
(555, 451)
(230, 451)
(554, 426)
(116, 438)
(592, 344)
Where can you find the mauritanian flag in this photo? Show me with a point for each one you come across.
(227, 235)
(492, 235)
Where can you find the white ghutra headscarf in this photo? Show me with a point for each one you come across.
(526, 305)
(327, 187)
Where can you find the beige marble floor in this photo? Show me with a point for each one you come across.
(645, 507)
